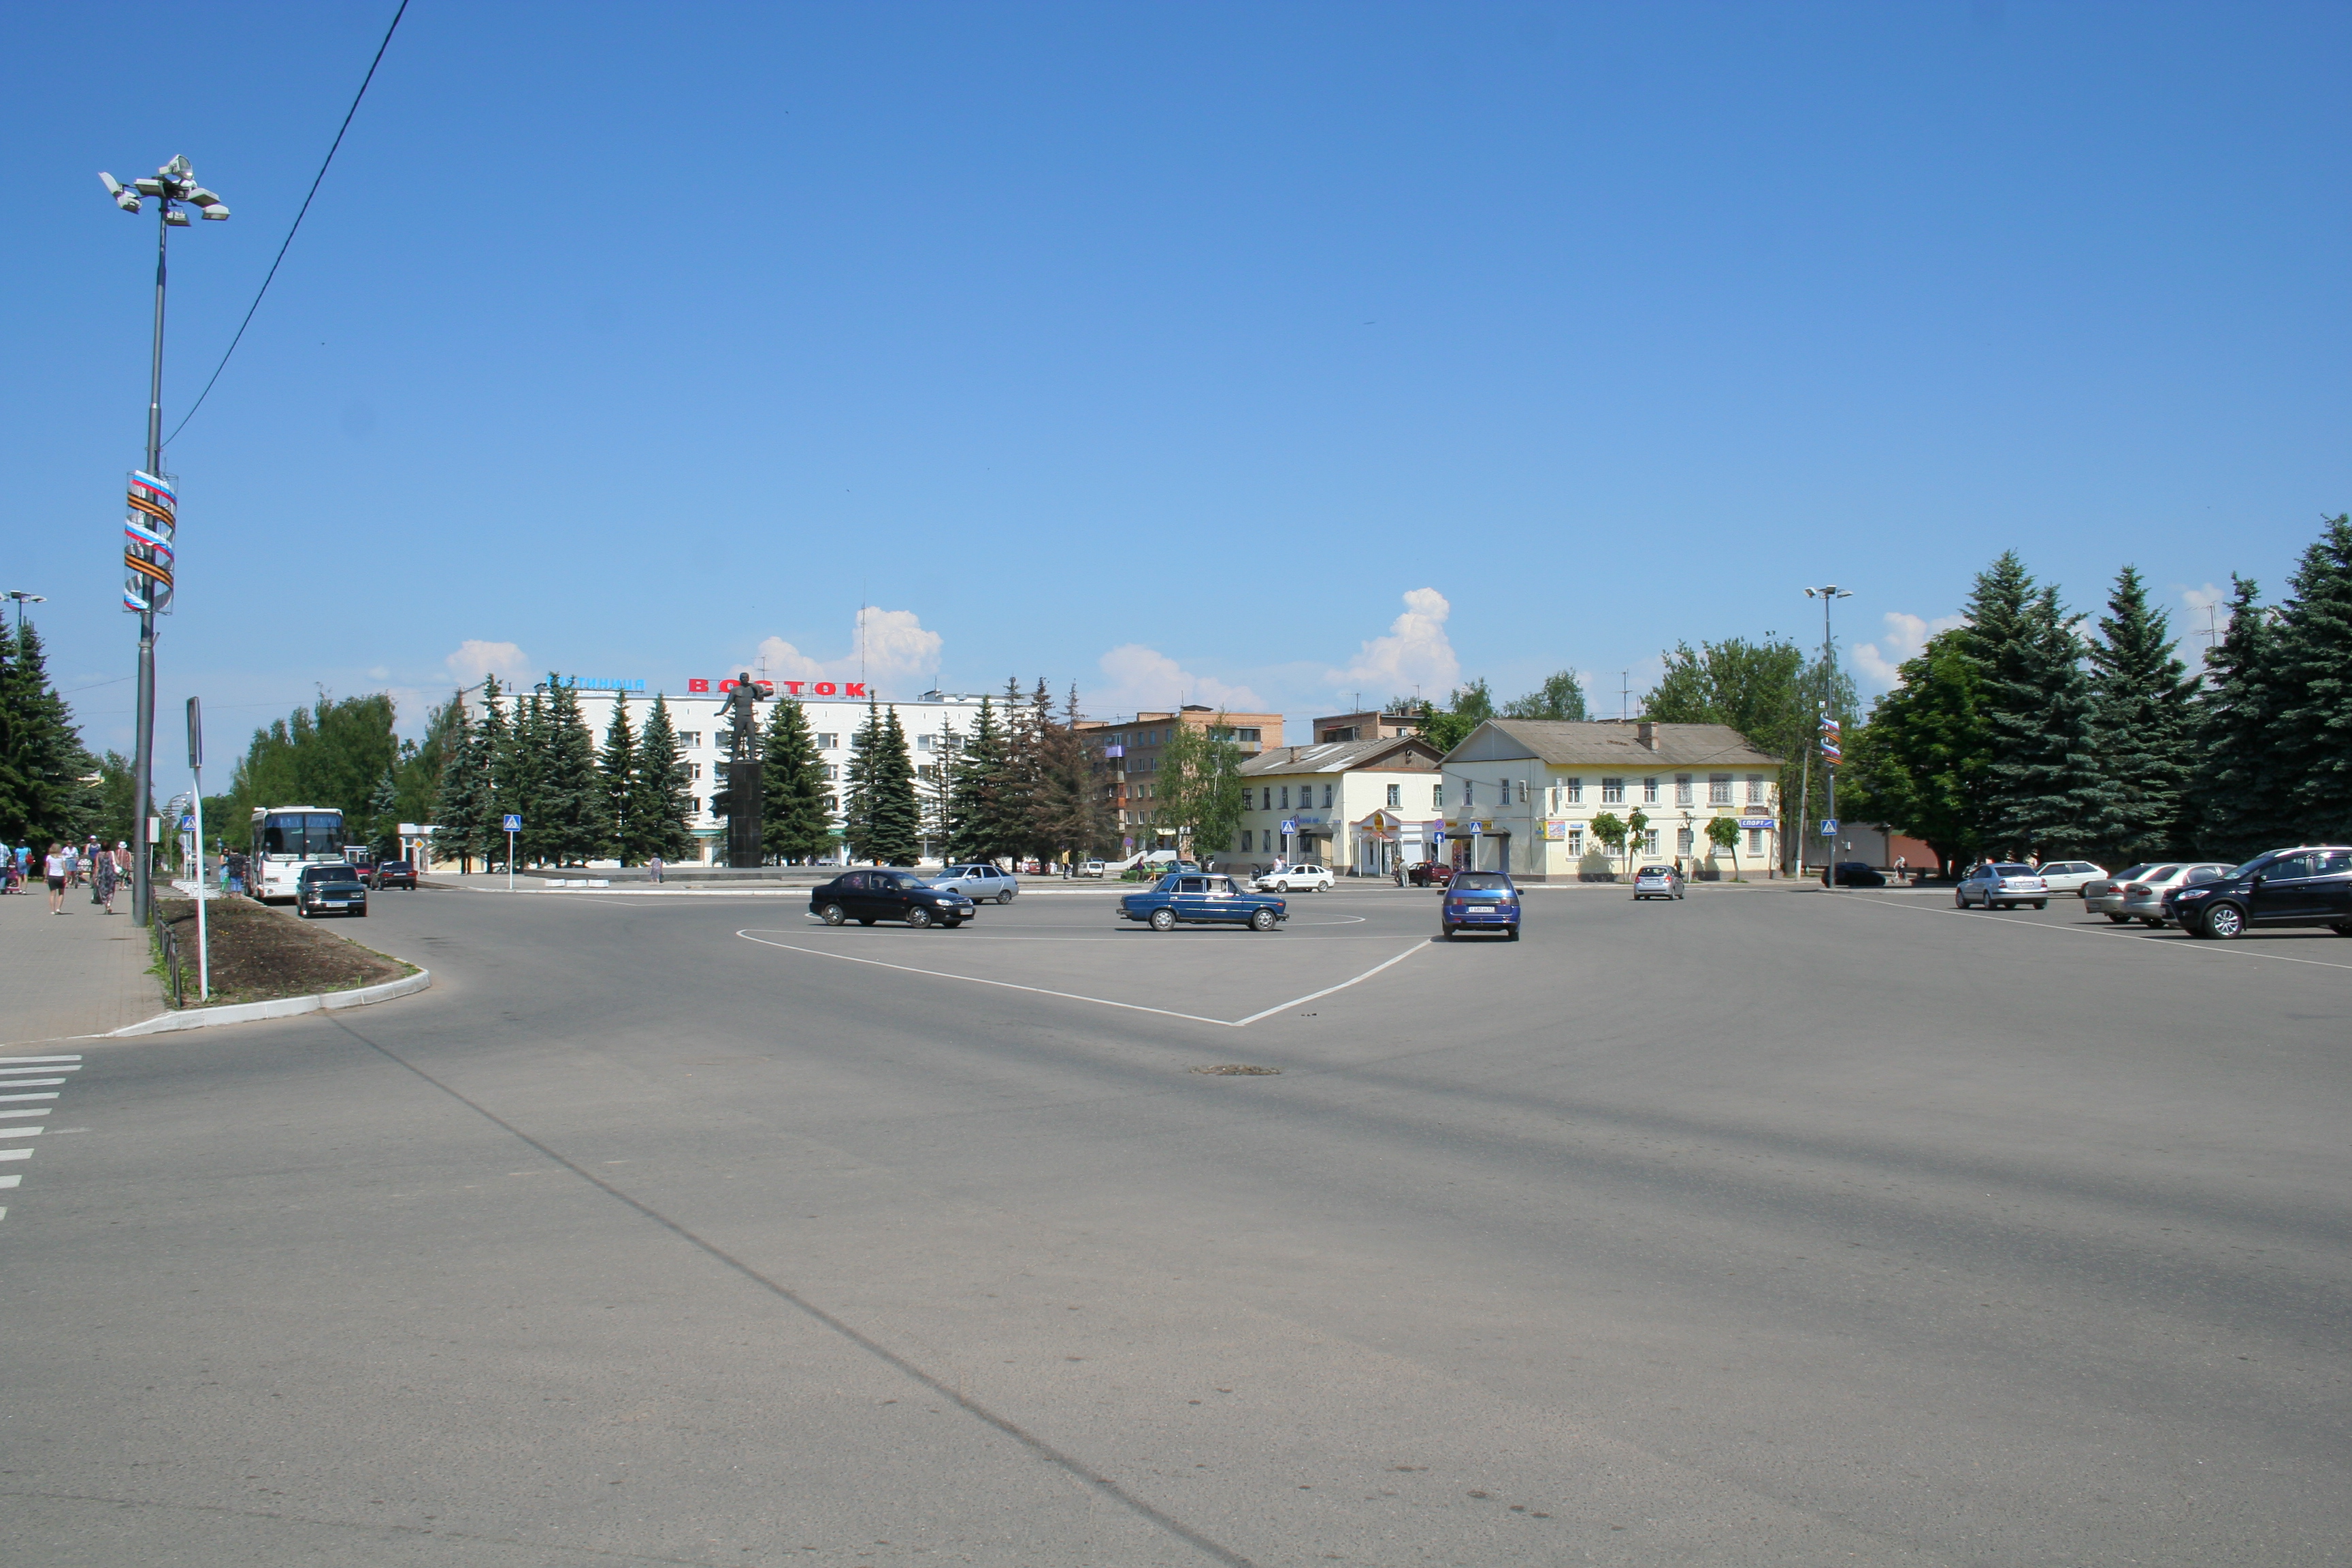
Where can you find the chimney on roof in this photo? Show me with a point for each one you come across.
(1647, 734)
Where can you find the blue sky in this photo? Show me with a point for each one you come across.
(1254, 354)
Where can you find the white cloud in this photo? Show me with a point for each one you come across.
(899, 653)
(476, 658)
(1415, 655)
(1879, 662)
(1141, 677)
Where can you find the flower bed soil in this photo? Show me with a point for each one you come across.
(260, 954)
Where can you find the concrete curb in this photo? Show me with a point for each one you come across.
(284, 1008)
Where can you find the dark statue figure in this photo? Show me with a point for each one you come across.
(743, 784)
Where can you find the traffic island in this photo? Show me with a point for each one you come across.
(264, 963)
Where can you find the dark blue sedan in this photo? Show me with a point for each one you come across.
(1202, 897)
(1480, 900)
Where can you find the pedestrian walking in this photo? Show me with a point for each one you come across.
(59, 866)
(653, 865)
(102, 881)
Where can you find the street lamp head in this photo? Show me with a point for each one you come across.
(149, 186)
(215, 213)
(175, 217)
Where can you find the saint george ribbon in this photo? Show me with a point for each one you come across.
(147, 531)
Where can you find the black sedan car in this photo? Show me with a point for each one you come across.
(1858, 874)
(885, 893)
(2306, 886)
(332, 889)
(395, 874)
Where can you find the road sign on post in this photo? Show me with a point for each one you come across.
(514, 825)
(194, 821)
(1830, 829)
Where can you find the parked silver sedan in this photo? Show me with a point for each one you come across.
(2105, 896)
(2001, 885)
(2142, 899)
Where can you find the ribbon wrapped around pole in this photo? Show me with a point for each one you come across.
(148, 528)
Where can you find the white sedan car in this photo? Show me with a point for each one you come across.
(2069, 876)
(1294, 880)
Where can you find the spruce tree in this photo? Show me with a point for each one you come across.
(383, 816)
(616, 770)
(857, 786)
(662, 806)
(2312, 745)
(2143, 722)
(1017, 781)
(463, 821)
(495, 736)
(571, 793)
(894, 819)
(2243, 799)
(42, 759)
(519, 774)
(974, 776)
(2045, 794)
(793, 818)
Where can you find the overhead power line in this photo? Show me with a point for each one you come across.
(297, 225)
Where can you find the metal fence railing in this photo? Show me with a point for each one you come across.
(170, 944)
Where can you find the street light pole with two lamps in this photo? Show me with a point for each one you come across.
(149, 527)
(1832, 751)
(23, 599)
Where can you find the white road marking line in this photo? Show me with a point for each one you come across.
(19, 1072)
(18, 1131)
(2181, 943)
(9, 1182)
(1311, 996)
(15, 1153)
(1098, 1001)
(29, 1082)
(42, 1110)
(976, 979)
(51, 1095)
(22, 1059)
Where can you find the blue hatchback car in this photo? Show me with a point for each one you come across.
(1480, 900)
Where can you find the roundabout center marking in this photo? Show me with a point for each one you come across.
(1098, 1001)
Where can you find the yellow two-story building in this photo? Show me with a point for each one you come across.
(1520, 795)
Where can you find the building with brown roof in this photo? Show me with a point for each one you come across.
(1520, 795)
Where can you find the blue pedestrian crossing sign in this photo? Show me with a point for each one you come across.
(514, 822)
(1830, 829)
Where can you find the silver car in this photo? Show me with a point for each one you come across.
(2105, 896)
(2001, 885)
(1658, 882)
(980, 881)
(2142, 897)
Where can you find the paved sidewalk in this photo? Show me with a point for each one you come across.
(82, 973)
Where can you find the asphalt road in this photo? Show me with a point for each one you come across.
(1765, 1227)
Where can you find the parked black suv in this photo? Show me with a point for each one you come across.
(2306, 886)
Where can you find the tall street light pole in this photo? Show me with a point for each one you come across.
(151, 523)
(23, 599)
(1833, 752)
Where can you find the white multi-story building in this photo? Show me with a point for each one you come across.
(1520, 795)
(935, 723)
(1358, 807)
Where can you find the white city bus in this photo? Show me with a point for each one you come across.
(284, 838)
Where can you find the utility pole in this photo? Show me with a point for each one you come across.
(149, 526)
